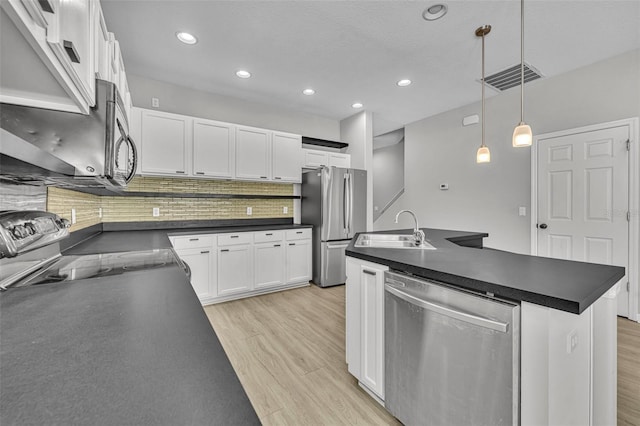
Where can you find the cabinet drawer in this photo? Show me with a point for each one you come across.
(298, 234)
(233, 239)
(268, 236)
(193, 241)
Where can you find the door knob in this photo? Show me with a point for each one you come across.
(542, 226)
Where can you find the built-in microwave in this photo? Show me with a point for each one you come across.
(70, 148)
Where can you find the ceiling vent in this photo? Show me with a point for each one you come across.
(510, 77)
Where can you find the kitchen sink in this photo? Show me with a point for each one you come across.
(399, 241)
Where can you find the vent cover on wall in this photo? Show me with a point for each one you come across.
(510, 77)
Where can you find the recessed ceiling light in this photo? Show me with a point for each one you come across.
(404, 82)
(186, 38)
(243, 74)
(357, 105)
(434, 12)
(309, 92)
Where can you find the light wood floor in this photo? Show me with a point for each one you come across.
(628, 373)
(288, 351)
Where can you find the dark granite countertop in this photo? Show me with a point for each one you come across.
(560, 284)
(132, 240)
(124, 349)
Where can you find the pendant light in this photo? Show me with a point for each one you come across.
(522, 135)
(483, 155)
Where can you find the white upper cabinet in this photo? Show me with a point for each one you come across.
(163, 138)
(51, 52)
(286, 157)
(253, 153)
(316, 158)
(213, 149)
(70, 35)
(173, 144)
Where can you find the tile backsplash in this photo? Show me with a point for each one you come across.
(135, 208)
(22, 197)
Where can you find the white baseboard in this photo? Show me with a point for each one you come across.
(258, 292)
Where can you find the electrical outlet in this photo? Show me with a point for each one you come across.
(100, 212)
(73, 216)
(285, 210)
(522, 211)
(155, 102)
(572, 341)
(249, 211)
(156, 211)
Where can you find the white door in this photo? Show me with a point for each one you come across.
(213, 149)
(286, 154)
(268, 264)
(583, 199)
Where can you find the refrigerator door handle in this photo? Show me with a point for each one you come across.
(345, 200)
(350, 227)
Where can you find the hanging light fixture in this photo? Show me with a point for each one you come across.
(522, 135)
(483, 155)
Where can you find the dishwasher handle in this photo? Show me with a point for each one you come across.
(443, 310)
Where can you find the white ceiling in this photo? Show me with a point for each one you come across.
(356, 50)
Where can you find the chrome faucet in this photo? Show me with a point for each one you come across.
(417, 232)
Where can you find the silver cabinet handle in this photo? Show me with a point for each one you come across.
(234, 236)
(71, 51)
(263, 177)
(292, 244)
(223, 250)
(277, 177)
(368, 272)
(276, 245)
(180, 171)
(443, 310)
(298, 232)
(194, 239)
(268, 234)
(199, 173)
(204, 252)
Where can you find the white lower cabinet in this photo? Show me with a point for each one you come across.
(268, 264)
(202, 265)
(365, 324)
(232, 266)
(199, 253)
(234, 272)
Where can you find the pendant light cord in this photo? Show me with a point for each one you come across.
(483, 89)
(521, 61)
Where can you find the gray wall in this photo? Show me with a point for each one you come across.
(357, 131)
(388, 175)
(183, 100)
(486, 197)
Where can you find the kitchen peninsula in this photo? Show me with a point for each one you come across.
(567, 320)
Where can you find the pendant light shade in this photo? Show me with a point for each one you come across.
(483, 155)
(522, 135)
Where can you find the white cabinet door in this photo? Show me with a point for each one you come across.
(253, 153)
(268, 264)
(365, 323)
(313, 158)
(70, 35)
(235, 274)
(213, 149)
(298, 261)
(164, 143)
(201, 261)
(339, 160)
(102, 51)
(286, 152)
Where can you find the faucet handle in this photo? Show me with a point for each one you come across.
(418, 234)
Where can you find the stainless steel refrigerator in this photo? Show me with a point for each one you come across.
(334, 201)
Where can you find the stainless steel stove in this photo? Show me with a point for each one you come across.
(20, 232)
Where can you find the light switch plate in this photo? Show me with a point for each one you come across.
(156, 211)
(522, 211)
(285, 210)
(249, 211)
(155, 102)
(73, 216)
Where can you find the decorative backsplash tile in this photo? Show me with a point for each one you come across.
(140, 209)
(22, 197)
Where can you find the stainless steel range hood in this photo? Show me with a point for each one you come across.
(68, 149)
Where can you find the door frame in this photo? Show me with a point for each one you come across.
(634, 197)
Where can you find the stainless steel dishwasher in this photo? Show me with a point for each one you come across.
(451, 357)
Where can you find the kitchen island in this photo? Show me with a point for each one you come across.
(567, 334)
